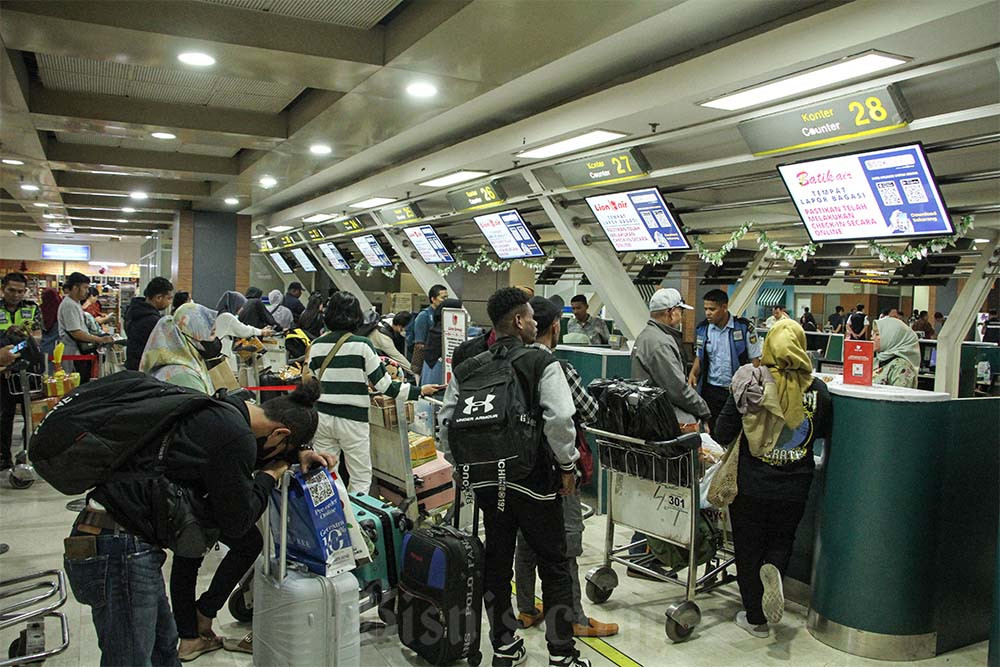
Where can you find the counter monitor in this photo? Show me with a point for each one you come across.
(508, 235)
(304, 260)
(372, 251)
(429, 245)
(333, 255)
(280, 262)
(638, 221)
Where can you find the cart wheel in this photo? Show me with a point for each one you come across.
(475, 659)
(681, 619)
(18, 483)
(676, 631)
(238, 606)
(601, 581)
(596, 594)
(15, 650)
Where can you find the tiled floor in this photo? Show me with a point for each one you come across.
(34, 521)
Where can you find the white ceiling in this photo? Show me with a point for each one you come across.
(362, 14)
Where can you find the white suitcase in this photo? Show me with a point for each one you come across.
(300, 618)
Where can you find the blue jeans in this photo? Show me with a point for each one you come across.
(434, 375)
(123, 586)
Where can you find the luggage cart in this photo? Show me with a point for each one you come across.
(21, 382)
(29, 647)
(654, 489)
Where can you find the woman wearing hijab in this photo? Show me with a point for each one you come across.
(282, 315)
(179, 347)
(231, 302)
(777, 411)
(897, 352)
(433, 368)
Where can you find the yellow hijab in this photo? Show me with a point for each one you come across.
(785, 356)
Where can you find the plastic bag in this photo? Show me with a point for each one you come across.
(635, 409)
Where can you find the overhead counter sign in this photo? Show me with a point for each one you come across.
(604, 169)
(287, 241)
(315, 234)
(397, 215)
(834, 121)
(475, 198)
(349, 225)
(638, 221)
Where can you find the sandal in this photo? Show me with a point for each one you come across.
(206, 645)
(244, 645)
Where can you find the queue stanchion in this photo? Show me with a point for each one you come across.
(92, 358)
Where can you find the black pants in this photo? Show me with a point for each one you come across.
(84, 369)
(243, 551)
(8, 406)
(763, 532)
(542, 525)
(716, 398)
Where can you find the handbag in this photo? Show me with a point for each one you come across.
(723, 487)
(223, 377)
(307, 374)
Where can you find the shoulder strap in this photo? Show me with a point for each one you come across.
(331, 355)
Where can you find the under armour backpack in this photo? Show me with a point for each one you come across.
(95, 429)
(494, 429)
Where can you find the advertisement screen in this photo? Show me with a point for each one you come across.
(304, 260)
(429, 245)
(886, 193)
(66, 252)
(508, 235)
(372, 251)
(280, 262)
(333, 255)
(638, 220)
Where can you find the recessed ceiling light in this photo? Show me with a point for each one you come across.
(196, 59)
(13, 163)
(29, 187)
(128, 209)
(853, 67)
(268, 182)
(231, 201)
(319, 217)
(452, 179)
(122, 220)
(138, 195)
(279, 228)
(40, 204)
(421, 89)
(163, 135)
(845, 264)
(373, 202)
(320, 149)
(579, 142)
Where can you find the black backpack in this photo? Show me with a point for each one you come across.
(494, 430)
(857, 322)
(95, 429)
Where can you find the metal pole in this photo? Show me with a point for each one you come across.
(426, 275)
(750, 283)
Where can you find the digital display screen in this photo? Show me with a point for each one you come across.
(885, 193)
(280, 262)
(372, 251)
(304, 260)
(429, 245)
(66, 252)
(638, 221)
(508, 235)
(336, 259)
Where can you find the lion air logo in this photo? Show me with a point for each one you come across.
(472, 405)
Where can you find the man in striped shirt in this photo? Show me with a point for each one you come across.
(343, 405)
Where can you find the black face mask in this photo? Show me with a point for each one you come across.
(210, 349)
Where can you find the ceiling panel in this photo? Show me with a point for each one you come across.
(351, 13)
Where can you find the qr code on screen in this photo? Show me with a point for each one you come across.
(914, 191)
(889, 193)
(320, 489)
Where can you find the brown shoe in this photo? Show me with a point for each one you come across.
(244, 645)
(526, 620)
(595, 629)
(192, 649)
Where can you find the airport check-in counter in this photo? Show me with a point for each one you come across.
(908, 519)
(972, 354)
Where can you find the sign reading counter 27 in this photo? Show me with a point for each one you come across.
(834, 121)
(604, 169)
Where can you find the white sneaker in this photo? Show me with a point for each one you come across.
(773, 601)
(758, 631)
(510, 655)
(568, 660)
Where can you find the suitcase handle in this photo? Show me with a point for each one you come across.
(283, 484)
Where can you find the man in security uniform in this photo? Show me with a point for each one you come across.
(723, 343)
(18, 313)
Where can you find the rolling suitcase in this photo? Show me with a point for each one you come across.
(439, 604)
(385, 525)
(300, 618)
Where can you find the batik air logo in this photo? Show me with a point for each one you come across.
(485, 405)
(828, 176)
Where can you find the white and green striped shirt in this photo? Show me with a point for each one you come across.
(346, 378)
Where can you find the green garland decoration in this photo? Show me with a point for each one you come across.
(388, 273)
(790, 255)
(483, 257)
(886, 254)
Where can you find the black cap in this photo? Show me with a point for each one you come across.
(546, 312)
(295, 285)
(75, 278)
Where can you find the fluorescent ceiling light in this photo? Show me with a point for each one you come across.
(452, 179)
(29, 187)
(231, 201)
(854, 67)
(253, 236)
(573, 144)
(138, 195)
(421, 89)
(373, 202)
(163, 135)
(980, 240)
(40, 204)
(320, 149)
(106, 172)
(107, 263)
(101, 194)
(128, 209)
(845, 264)
(196, 59)
(122, 220)
(49, 216)
(13, 163)
(319, 217)
(279, 228)
(268, 182)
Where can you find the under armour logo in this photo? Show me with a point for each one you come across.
(471, 404)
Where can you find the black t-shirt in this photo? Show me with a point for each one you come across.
(786, 472)
(857, 322)
(835, 321)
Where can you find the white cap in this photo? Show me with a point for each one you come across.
(667, 298)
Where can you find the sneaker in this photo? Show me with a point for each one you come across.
(528, 619)
(758, 631)
(511, 654)
(773, 600)
(573, 660)
(595, 628)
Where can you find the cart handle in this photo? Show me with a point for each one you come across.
(688, 441)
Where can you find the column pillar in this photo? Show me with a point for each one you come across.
(426, 275)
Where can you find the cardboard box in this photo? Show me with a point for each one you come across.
(62, 385)
(398, 302)
(382, 412)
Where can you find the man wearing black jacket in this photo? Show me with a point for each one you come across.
(229, 457)
(142, 315)
(293, 301)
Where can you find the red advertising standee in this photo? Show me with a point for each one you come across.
(858, 362)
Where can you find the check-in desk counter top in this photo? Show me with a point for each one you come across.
(907, 530)
(595, 361)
